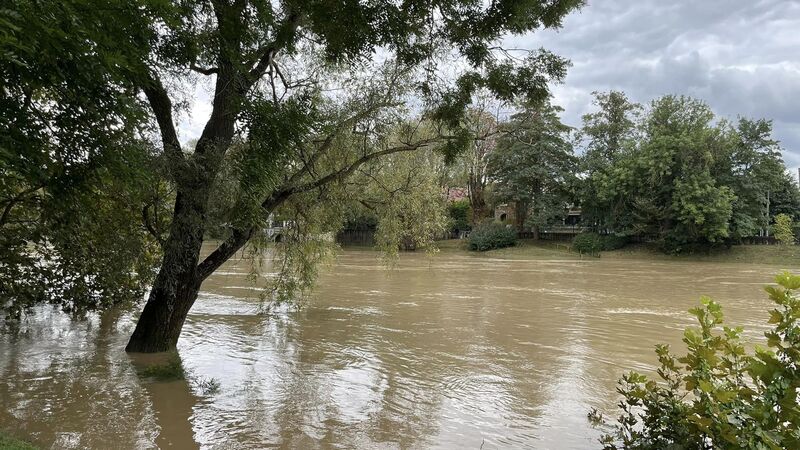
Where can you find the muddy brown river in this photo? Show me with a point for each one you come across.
(453, 351)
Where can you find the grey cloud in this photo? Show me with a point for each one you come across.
(737, 55)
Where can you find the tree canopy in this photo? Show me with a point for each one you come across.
(678, 174)
(533, 164)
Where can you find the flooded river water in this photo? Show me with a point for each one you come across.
(453, 351)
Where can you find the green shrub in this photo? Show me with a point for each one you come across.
(675, 244)
(460, 213)
(589, 243)
(719, 395)
(613, 242)
(593, 243)
(491, 235)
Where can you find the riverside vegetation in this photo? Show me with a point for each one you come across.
(719, 395)
(101, 200)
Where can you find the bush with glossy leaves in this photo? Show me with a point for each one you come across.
(719, 395)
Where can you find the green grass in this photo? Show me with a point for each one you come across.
(9, 443)
(777, 255)
(525, 249)
(530, 249)
(452, 244)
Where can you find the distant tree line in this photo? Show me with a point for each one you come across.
(670, 172)
(675, 173)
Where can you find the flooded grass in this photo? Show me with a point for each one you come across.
(170, 370)
(206, 386)
(9, 443)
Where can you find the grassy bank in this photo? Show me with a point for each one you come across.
(777, 255)
(9, 443)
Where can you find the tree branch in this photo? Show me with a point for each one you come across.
(239, 238)
(283, 36)
(161, 105)
(346, 171)
(150, 228)
(341, 126)
(14, 200)
(204, 70)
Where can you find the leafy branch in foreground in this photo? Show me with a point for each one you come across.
(718, 395)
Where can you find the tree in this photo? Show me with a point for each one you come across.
(682, 176)
(680, 200)
(533, 164)
(782, 230)
(404, 194)
(270, 65)
(609, 134)
(668, 184)
(609, 130)
(484, 128)
(755, 172)
(460, 213)
(679, 175)
(785, 198)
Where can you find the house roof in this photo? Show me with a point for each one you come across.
(455, 194)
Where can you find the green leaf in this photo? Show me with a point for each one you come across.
(788, 281)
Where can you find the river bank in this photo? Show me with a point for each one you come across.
(774, 255)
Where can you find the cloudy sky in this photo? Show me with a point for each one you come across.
(741, 56)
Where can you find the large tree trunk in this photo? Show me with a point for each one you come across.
(476, 200)
(179, 278)
(178, 282)
(479, 211)
(520, 214)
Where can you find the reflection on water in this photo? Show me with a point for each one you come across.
(454, 351)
